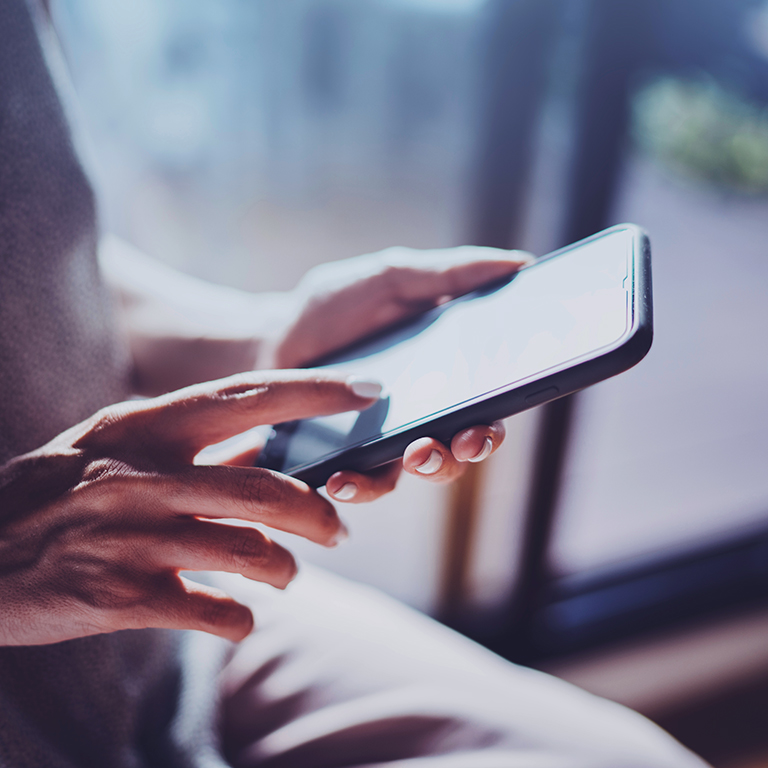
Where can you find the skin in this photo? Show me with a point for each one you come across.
(97, 524)
(392, 285)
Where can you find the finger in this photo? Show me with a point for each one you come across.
(185, 604)
(356, 488)
(242, 459)
(477, 443)
(430, 459)
(466, 269)
(201, 545)
(239, 451)
(246, 493)
(186, 421)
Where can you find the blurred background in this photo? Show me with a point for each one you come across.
(620, 537)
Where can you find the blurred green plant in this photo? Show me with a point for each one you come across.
(704, 130)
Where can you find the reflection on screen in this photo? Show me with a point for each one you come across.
(551, 313)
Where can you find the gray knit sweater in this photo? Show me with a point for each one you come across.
(110, 700)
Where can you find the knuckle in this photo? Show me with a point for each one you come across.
(105, 425)
(237, 385)
(239, 392)
(394, 256)
(215, 612)
(393, 278)
(316, 278)
(248, 550)
(102, 470)
(104, 418)
(105, 588)
(257, 487)
(105, 479)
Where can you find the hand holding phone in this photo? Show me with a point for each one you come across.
(568, 320)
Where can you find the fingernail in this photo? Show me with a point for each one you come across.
(432, 464)
(346, 492)
(484, 451)
(341, 535)
(364, 387)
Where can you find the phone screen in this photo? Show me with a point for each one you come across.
(549, 315)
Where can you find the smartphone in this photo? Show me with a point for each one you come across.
(568, 320)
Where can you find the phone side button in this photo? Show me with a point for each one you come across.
(541, 397)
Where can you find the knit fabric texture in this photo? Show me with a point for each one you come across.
(108, 700)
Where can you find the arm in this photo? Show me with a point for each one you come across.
(182, 330)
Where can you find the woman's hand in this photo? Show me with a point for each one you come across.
(340, 302)
(96, 525)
